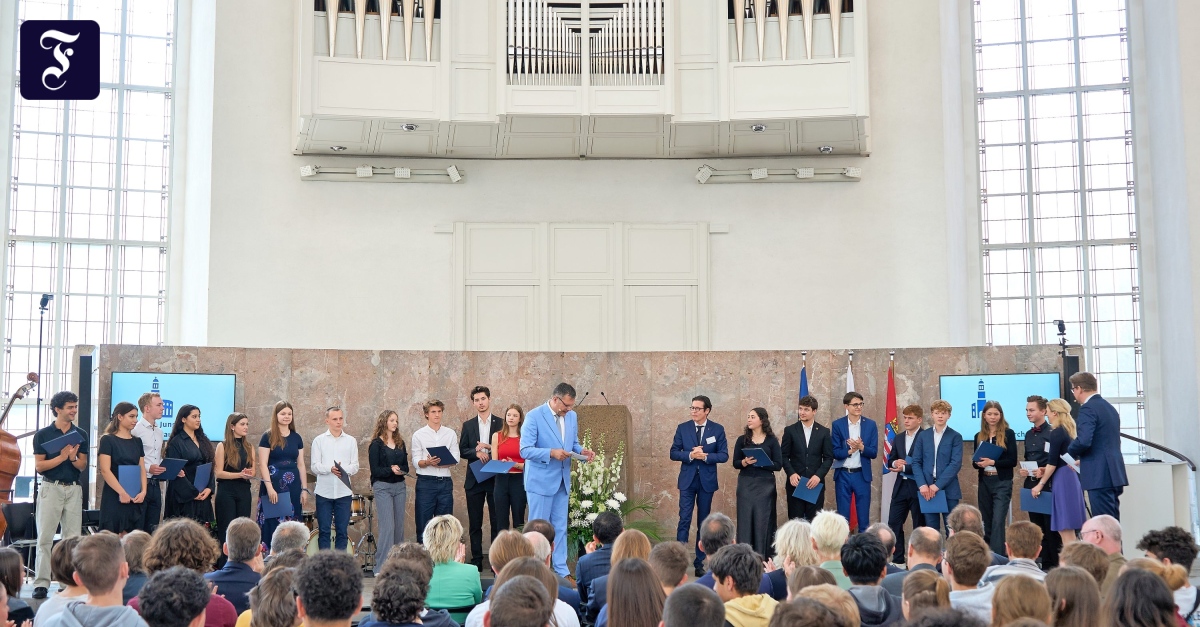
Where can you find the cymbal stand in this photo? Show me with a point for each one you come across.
(366, 546)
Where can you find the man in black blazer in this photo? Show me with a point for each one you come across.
(475, 444)
(808, 456)
(904, 493)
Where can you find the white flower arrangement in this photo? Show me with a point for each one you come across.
(594, 489)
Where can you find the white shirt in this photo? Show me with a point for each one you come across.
(909, 438)
(937, 441)
(485, 429)
(1185, 598)
(426, 438)
(855, 458)
(702, 426)
(564, 616)
(327, 449)
(807, 433)
(152, 443)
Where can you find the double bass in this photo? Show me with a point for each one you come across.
(10, 452)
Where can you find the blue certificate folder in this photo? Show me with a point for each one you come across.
(804, 494)
(172, 466)
(280, 509)
(483, 471)
(761, 459)
(1043, 504)
(935, 505)
(443, 454)
(71, 438)
(131, 479)
(203, 474)
(988, 450)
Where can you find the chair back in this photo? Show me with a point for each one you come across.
(21, 521)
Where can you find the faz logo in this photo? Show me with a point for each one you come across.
(60, 60)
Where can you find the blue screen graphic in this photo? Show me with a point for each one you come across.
(968, 392)
(212, 393)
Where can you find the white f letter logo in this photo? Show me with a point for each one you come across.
(59, 55)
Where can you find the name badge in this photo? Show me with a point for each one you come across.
(1047, 447)
(712, 439)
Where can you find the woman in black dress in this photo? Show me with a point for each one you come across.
(120, 512)
(756, 484)
(234, 468)
(188, 442)
(995, 475)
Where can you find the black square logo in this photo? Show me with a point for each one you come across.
(60, 60)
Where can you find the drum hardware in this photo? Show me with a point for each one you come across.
(366, 544)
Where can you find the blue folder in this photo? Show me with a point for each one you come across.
(804, 494)
(130, 478)
(761, 459)
(203, 475)
(172, 466)
(443, 454)
(1043, 504)
(483, 471)
(935, 505)
(280, 509)
(988, 450)
(71, 438)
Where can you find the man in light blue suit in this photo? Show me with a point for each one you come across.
(1097, 446)
(548, 438)
(936, 459)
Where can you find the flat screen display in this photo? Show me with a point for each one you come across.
(967, 394)
(212, 393)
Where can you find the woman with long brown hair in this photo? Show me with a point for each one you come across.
(635, 596)
(234, 466)
(1017, 597)
(189, 443)
(509, 490)
(281, 466)
(995, 475)
(1068, 513)
(631, 544)
(1074, 597)
(120, 512)
(389, 463)
(924, 590)
(756, 484)
(564, 615)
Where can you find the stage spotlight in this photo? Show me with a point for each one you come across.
(703, 174)
(805, 173)
(454, 174)
(402, 173)
(364, 172)
(309, 170)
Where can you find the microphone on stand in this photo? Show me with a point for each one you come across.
(605, 398)
(585, 395)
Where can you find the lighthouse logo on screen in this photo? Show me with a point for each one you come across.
(60, 60)
(167, 422)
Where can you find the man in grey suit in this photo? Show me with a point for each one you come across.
(1097, 446)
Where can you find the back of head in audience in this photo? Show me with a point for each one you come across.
(967, 557)
(693, 606)
(508, 545)
(400, 591)
(830, 531)
(737, 571)
(1172, 574)
(243, 540)
(100, 566)
(1089, 557)
(272, 603)
(670, 562)
(180, 542)
(806, 576)
(1139, 598)
(884, 533)
(411, 551)
(1103, 531)
(529, 567)
(541, 546)
(835, 599)
(607, 527)
(328, 588)
(965, 518)
(635, 595)
(924, 590)
(288, 559)
(519, 602)
(62, 567)
(1018, 596)
(946, 618)
(1074, 597)
(175, 597)
(135, 543)
(1023, 539)
(1170, 544)
(288, 536)
(864, 559)
(12, 571)
(631, 543)
(924, 546)
(1025, 622)
(541, 526)
(793, 545)
(442, 536)
(804, 613)
(716, 531)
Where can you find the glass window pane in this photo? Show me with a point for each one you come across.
(1008, 321)
(1103, 61)
(32, 266)
(1048, 19)
(998, 21)
(37, 158)
(107, 13)
(1052, 117)
(1060, 271)
(142, 270)
(1106, 114)
(144, 216)
(151, 17)
(1001, 121)
(1054, 167)
(1056, 217)
(1002, 169)
(1109, 163)
(87, 268)
(37, 115)
(95, 117)
(1067, 309)
(1111, 214)
(1004, 220)
(1101, 17)
(91, 161)
(146, 165)
(147, 115)
(89, 213)
(35, 210)
(1114, 268)
(999, 68)
(1006, 273)
(1051, 64)
(148, 61)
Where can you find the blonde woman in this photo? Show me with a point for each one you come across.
(455, 585)
(1068, 513)
(793, 549)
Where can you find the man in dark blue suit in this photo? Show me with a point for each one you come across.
(699, 445)
(936, 460)
(1097, 446)
(855, 444)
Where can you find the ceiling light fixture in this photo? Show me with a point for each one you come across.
(410, 127)
(337, 148)
(455, 176)
(758, 174)
(364, 172)
(825, 150)
(805, 173)
(309, 170)
(703, 174)
(402, 173)
(758, 128)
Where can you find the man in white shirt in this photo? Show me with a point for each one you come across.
(904, 494)
(855, 444)
(434, 492)
(334, 461)
(147, 430)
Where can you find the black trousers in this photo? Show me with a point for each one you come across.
(232, 501)
(904, 503)
(798, 508)
(152, 510)
(995, 498)
(756, 519)
(509, 495)
(475, 500)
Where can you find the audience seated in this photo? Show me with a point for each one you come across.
(865, 561)
(288, 559)
(1019, 596)
(1074, 597)
(793, 549)
(544, 551)
(830, 531)
(543, 526)
(737, 572)
(175, 597)
(1175, 545)
(62, 570)
(135, 543)
(718, 531)
(414, 552)
(1104, 531)
(564, 615)
(183, 542)
(806, 576)
(455, 585)
(629, 545)
(925, 590)
(243, 547)
(947, 618)
(1023, 541)
(508, 545)
(272, 603)
(885, 535)
(836, 599)
(924, 553)
(329, 589)
(1139, 598)
(967, 557)
(399, 596)
(522, 601)
(1171, 574)
(1089, 557)
(635, 595)
(12, 575)
(693, 606)
(291, 535)
(968, 518)
(804, 613)
(595, 563)
(100, 567)
(670, 563)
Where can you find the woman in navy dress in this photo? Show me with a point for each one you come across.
(188, 442)
(1068, 513)
(120, 512)
(281, 460)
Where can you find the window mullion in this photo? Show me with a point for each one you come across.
(118, 184)
(1081, 156)
(1031, 231)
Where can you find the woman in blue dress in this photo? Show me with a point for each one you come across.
(281, 460)
(1068, 513)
